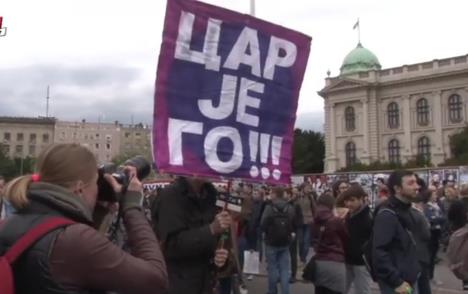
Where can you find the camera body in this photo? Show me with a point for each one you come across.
(105, 190)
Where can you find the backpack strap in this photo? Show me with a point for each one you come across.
(34, 235)
(400, 221)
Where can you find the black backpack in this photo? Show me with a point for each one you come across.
(279, 230)
(367, 247)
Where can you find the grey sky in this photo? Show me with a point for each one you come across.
(100, 56)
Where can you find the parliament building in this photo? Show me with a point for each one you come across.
(393, 114)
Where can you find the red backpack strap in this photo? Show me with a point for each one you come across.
(34, 235)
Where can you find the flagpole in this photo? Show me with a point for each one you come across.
(252, 7)
(357, 26)
(359, 32)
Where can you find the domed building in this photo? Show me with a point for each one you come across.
(359, 59)
(394, 114)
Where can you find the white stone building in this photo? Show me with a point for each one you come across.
(394, 114)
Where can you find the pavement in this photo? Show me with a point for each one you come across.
(450, 284)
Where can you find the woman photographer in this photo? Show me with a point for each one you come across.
(77, 258)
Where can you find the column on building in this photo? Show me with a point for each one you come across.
(407, 149)
(330, 138)
(373, 125)
(437, 149)
(366, 157)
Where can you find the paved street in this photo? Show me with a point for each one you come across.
(450, 284)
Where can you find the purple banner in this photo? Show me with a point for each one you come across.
(226, 94)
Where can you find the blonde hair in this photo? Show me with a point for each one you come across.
(58, 164)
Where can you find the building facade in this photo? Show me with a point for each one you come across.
(395, 114)
(103, 139)
(23, 137)
(135, 140)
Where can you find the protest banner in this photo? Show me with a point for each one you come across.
(226, 94)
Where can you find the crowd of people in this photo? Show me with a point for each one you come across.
(179, 241)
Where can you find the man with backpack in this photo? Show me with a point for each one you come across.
(277, 224)
(395, 262)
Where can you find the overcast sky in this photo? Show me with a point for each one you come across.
(100, 56)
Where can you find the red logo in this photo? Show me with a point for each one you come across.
(3, 30)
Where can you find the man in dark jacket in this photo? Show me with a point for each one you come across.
(395, 258)
(422, 236)
(278, 224)
(185, 220)
(359, 225)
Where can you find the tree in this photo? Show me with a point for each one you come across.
(417, 162)
(458, 144)
(308, 152)
(7, 166)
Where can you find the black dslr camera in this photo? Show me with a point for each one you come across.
(105, 192)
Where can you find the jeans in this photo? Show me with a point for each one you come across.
(323, 290)
(360, 277)
(293, 256)
(434, 249)
(278, 268)
(386, 289)
(303, 236)
(424, 284)
(225, 285)
(242, 246)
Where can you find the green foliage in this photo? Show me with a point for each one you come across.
(417, 162)
(458, 148)
(11, 168)
(308, 152)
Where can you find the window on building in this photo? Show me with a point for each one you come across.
(19, 150)
(45, 138)
(424, 148)
(97, 145)
(394, 151)
(137, 134)
(19, 137)
(32, 150)
(350, 119)
(422, 112)
(108, 137)
(97, 136)
(127, 134)
(350, 154)
(108, 146)
(393, 115)
(455, 108)
(6, 149)
(7, 137)
(32, 138)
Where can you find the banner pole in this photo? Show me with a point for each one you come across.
(252, 7)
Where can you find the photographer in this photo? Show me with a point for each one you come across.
(77, 258)
(186, 221)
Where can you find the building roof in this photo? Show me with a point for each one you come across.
(358, 60)
(28, 120)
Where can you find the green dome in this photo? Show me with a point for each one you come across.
(358, 60)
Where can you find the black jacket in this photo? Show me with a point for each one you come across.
(422, 236)
(394, 247)
(32, 270)
(359, 227)
(181, 220)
